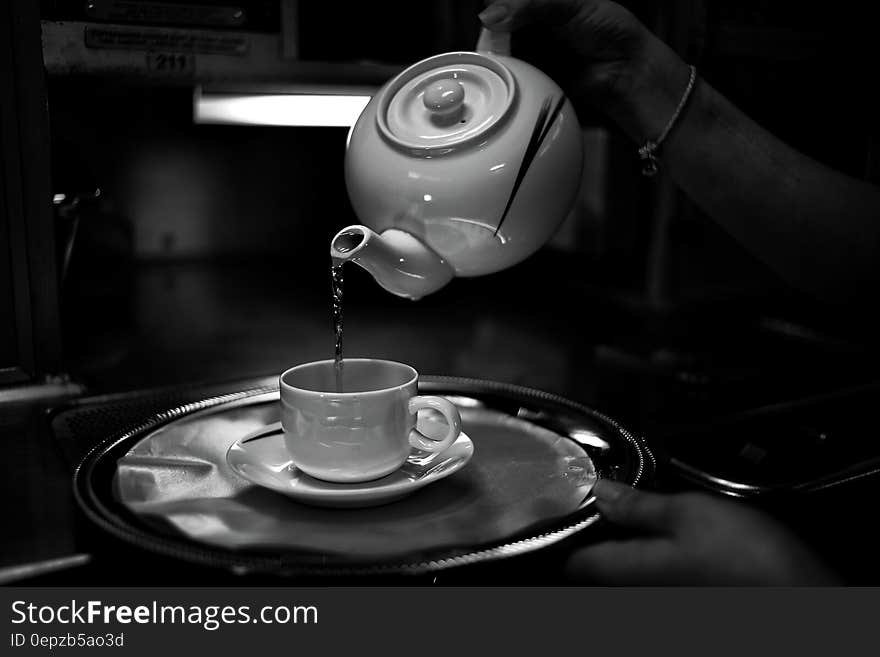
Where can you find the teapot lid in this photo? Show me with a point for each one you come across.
(443, 102)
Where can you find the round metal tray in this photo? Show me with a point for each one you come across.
(524, 489)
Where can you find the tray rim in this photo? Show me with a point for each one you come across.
(254, 563)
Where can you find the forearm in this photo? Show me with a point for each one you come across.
(819, 229)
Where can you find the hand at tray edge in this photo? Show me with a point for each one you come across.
(692, 539)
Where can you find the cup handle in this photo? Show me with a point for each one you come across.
(449, 411)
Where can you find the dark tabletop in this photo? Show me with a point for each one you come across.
(162, 333)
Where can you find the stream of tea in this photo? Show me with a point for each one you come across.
(338, 288)
(342, 243)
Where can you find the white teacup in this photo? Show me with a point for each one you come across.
(364, 432)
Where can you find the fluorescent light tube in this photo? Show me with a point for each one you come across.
(279, 109)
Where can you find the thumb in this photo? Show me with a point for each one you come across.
(508, 15)
(635, 509)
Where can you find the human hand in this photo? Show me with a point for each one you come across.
(692, 539)
(612, 62)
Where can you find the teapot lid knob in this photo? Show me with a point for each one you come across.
(444, 102)
(444, 97)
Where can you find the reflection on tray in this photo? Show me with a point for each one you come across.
(526, 487)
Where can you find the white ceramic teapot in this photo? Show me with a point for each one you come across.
(463, 164)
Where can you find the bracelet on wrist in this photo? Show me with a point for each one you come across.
(649, 152)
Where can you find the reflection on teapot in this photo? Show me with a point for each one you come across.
(464, 164)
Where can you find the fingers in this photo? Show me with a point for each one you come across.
(635, 509)
(695, 540)
(634, 562)
(508, 15)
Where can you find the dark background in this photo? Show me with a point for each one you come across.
(180, 198)
(204, 259)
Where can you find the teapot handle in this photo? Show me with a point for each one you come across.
(496, 43)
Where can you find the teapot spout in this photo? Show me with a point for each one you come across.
(400, 262)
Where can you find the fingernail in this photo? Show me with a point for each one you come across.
(609, 491)
(494, 14)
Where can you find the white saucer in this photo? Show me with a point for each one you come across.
(262, 459)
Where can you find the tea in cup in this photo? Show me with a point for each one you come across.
(364, 430)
